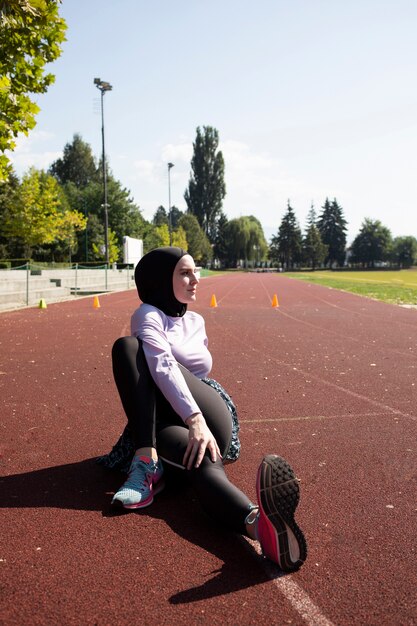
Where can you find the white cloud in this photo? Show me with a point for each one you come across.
(29, 152)
(180, 153)
(144, 170)
(257, 183)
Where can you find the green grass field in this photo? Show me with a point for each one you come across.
(396, 287)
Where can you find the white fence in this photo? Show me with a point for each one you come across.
(28, 284)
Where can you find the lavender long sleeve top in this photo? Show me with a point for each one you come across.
(168, 341)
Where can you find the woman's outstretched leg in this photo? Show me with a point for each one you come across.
(222, 500)
(271, 522)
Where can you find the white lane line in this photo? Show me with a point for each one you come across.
(310, 376)
(294, 594)
(297, 418)
(338, 334)
(335, 332)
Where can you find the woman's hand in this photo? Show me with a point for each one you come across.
(200, 438)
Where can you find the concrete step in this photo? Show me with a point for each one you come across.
(34, 295)
(56, 285)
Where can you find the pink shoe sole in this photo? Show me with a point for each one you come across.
(278, 493)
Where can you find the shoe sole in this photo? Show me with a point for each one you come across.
(278, 496)
(156, 488)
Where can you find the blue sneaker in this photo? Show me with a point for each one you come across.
(143, 482)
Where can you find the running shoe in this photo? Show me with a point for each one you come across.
(143, 483)
(278, 494)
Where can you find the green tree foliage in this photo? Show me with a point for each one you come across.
(311, 217)
(31, 34)
(157, 236)
(179, 238)
(206, 187)
(114, 250)
(160, 217)
(286, 246)
(257, 247)
(176, 215)
(82, 183)
(237, 238)
(125, 217)
(197, 243)
(372, 244)
(10, 247)
(40, 213)
(404, 251)
(332, 226)
(221, 242)
(246, 241)
(77, 164)
(153, 237)
(314, 250)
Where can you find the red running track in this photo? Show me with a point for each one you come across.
(328, 380)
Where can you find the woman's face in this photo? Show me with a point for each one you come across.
(185, 280)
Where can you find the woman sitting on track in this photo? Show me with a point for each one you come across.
(178, 418)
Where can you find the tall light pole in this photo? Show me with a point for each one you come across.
(170, 165)
(104, 86)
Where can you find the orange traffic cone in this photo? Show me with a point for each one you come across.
(213, 301)
(96, 302)
(42, 304)
(275, 302)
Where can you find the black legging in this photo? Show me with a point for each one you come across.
(154, 423)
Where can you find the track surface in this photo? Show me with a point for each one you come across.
(327, 380)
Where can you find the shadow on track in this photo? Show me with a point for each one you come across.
(181, 511)
(85, 486)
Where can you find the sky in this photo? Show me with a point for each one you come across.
(311, 99)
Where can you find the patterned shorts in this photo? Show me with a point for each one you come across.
(120, 457)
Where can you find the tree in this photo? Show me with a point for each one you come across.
(114, 250)
(91, 241)
(257, 247)
(176, 215)
(206, 188)
(245, 240)
(160, 216)
(70, 223)
(404, 251)
(286, 246)
(372, 244)
(31, 34)
(40, 214)
(197, 243)
(179, 238)
(221, 241)
(311, 217)
(125, 217)
(10, 247)
(83, 187)
(332, 227)
(161, 236)
(237, 237)
(77, 164)
(314, 250)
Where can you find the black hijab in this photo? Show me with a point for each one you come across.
(153, 278)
